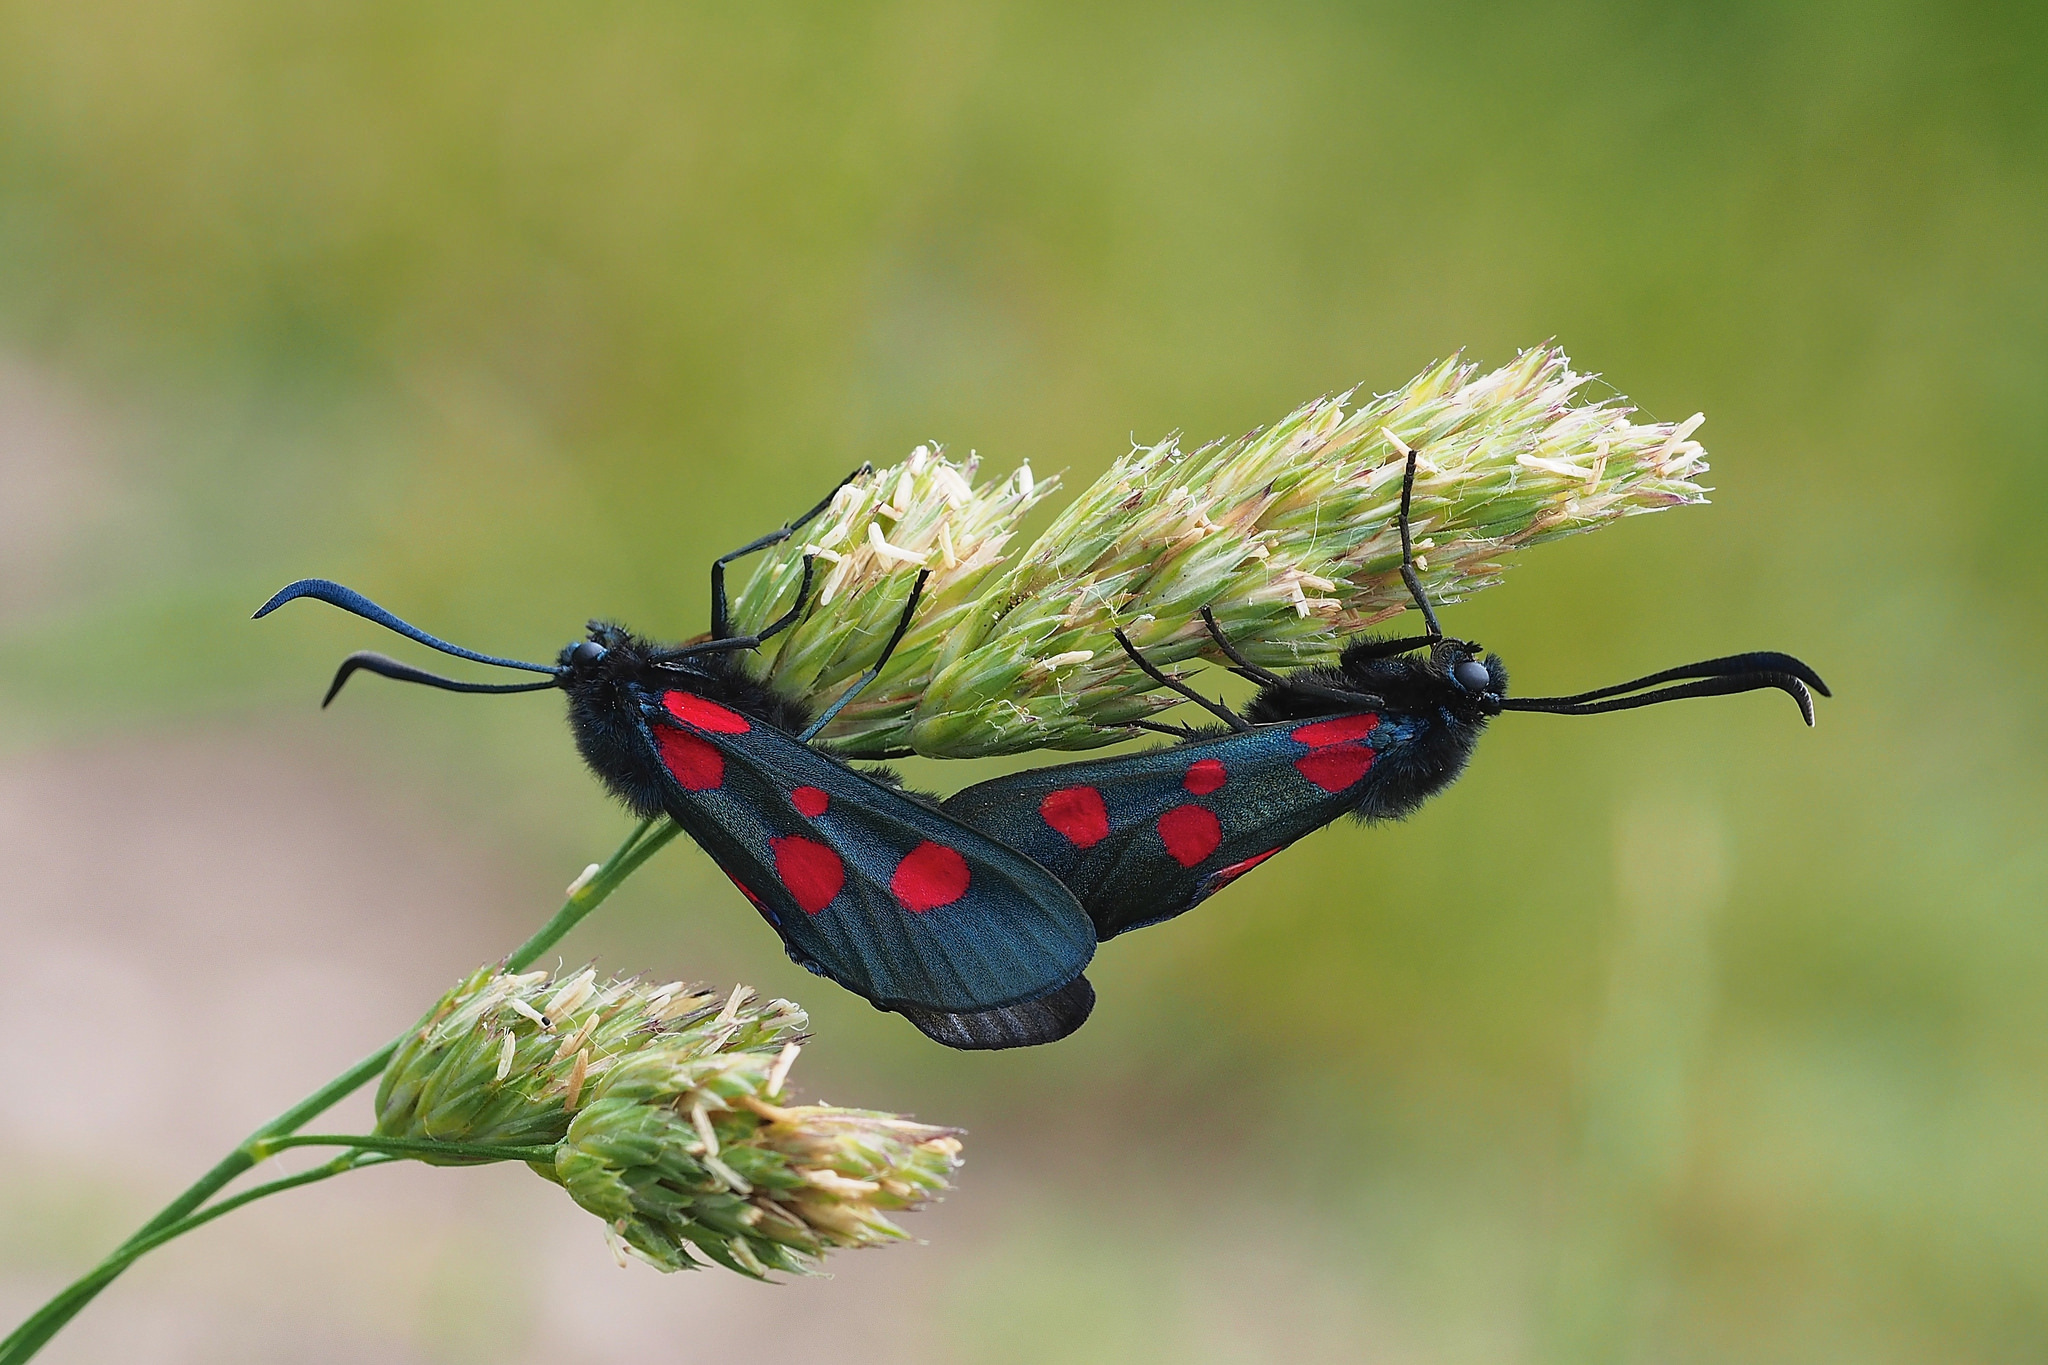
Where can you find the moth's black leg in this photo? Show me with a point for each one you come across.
(903, 621)
(1408, 574)
(788, 618)
(902, 627)
(720, 616)
(1245, 667)
(732, 644)
(1386, 649)
(1214, 708)
(1177, 731)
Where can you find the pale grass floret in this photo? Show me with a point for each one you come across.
(780, 1070)
(578, 1074)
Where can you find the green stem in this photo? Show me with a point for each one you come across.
(179, 1217)
(640, 845)
(369, 1142)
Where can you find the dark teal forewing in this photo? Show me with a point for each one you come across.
(890, 898)
(1143, 837)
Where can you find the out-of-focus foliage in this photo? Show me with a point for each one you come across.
(1680, 1034)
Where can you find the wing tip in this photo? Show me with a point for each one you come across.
(1031, 1023)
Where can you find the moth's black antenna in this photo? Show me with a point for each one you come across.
(403, 672)
(1760, 662)
(348, 599)
(902, 626)
(1711, 678)
(1408, 574)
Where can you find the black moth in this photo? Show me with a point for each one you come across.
(975, 944)
(1143, 837)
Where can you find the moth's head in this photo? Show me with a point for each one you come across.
(1454, 676)
(1473, 683)
(607, 652)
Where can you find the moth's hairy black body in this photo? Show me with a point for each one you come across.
(1418, 686)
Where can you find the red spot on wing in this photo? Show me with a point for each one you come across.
(1342, 730)
(1077, 813)
(1336, 766)
(1224, 876)
(930, 876)
(811, 871)
(692, 709)
(809, 801)
(1190, 833)
(690, 760)
(1204, 776)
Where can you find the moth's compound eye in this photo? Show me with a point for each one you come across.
(586, 653)
(1471, 675)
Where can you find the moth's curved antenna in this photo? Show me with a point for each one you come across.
(388, 667)
(1761, 667)
(1586, 704)
(349, 600)
(1764, 661)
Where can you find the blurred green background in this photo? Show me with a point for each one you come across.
(1678, 1035)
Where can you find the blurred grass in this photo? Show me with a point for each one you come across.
(509, 316)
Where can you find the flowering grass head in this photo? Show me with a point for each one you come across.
(883, 527)
(665, 1110)
(507, 1059)
(1289, 533)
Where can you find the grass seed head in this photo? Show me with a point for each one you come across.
(1290, 533)
(660, 1103)
(506, 1060)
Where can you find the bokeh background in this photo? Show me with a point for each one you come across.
(1681, 1035)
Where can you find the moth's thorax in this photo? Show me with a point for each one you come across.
(1429, 717)
(616, 695)
(1440, 681)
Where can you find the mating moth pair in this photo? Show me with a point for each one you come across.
(975, 917)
